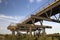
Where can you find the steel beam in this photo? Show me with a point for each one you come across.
(47, 19)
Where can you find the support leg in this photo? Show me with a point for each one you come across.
(13, 35)
(30, 33)
(52, 38)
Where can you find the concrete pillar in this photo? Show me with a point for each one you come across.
(34, 33)
(13, 35)
(17, 32)
(13, 32)
(30, 33)
(18, 35)
(27, 35)
(27, 32)
(43, 31)
(52, 38)
(39, 31)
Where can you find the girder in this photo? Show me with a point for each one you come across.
(44, 18)
(51, 10)
(26, 27)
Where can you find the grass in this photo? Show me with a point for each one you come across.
(27, 37)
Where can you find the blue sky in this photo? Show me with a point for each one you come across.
(13, 11)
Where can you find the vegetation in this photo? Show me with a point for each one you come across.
(26, 37)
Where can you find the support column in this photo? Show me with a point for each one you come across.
(39, 31)
(13, 35)
(34, 33)
(41, 22)
(18, 35)
(13, 32)
(27, 35)
(43, 33)
(27, 32)
(30, 33)
(52, 38)
(43, 30)
(17, 32)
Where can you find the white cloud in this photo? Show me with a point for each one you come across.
(31, 1)
(38, 1)
(0, 1)
(14, 19)
(10, 17)
(6, 20)
(4, 16)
